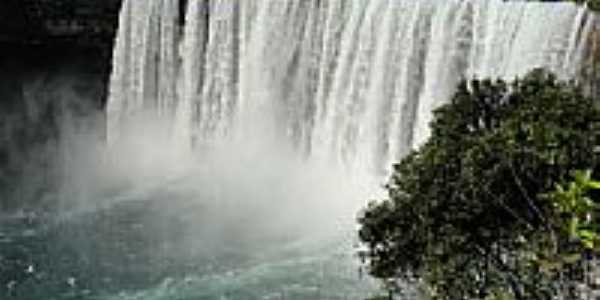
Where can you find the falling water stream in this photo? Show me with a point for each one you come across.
(348, 82)
(244, 136)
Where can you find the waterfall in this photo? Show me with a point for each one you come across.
(347, 82)
(145, 63)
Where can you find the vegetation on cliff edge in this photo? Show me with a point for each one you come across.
(482, 209)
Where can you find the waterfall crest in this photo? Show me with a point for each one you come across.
(348, 82)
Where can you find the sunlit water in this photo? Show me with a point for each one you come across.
(241, 145)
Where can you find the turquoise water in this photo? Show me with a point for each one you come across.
(167, 247)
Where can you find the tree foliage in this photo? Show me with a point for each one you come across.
(591, 4)
(465, 213)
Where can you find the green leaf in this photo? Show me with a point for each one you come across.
(594, 185)
(573, 225)
(587, 234)
(588, 244)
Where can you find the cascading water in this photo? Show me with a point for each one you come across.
(244, 135)
(350, 82)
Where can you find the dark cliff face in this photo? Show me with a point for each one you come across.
(55, 61)
(54, 67)
(47, 93)
(89, 22)
(81, 22)
(12, 19)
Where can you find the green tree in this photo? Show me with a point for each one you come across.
(591, 4)
(464, 214)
